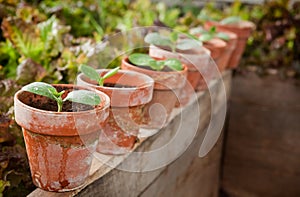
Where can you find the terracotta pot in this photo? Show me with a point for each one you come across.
(243, 30)
(167, 86)
(197, 62)
(231, 45)
(217, 48)
(59, 144)
(126, 111)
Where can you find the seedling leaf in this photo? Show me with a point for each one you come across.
(186, 44)
(230, 20)
(140, 59)
(84, 97)
(111, 73)
(205, 37)
(212, 30)
(222, 36)
(41, 88)
(89, 72)
(174, 36)
(174, 64)
(158, 40)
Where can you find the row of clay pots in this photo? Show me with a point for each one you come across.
(229, 56)
(60, 144)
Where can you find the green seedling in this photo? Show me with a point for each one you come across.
(78, 96)
(140, 59)
(171, 41)
(92, 73)
(231, 20)
(207, 35)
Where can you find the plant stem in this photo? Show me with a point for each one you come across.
(101, 82)
(59, 103)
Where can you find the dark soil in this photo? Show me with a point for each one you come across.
(165, 68)
(51, 105)
(117, 85)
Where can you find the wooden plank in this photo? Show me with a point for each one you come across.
(262, 148)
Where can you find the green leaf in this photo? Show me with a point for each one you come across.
(157, 39)
(212, 30)
(196, 30)
(156, 65)
(174, 64)
(222, 36)
(186, 44)
(174, 36)
(193, 37)
(205, 37)
(140, 59)
(3, 184)
(230, 20)
(46, 28)
(89, 72)
(84, 97)
(111, 73)
(41, 88)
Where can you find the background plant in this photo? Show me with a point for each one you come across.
(140, 59)
(207, 35)
(171, 41)
(94, 75)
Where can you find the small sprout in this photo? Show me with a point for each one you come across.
(173, 41)
(140, 59)
(92, 73)
(79, 96)
(207, 35)
(230, 20)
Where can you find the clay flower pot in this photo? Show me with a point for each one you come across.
(197, 62)
(217, 48)
(59, 144)
(128, 98)
(231, 45)
(166, 88)
(243, 30)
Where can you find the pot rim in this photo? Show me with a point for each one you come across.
(148, 80)
(169, 72)
(101, 106)
(163, 80)
(141, 94)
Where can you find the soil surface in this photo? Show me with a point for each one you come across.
(117, 85)
(165, 69)
(51, 105)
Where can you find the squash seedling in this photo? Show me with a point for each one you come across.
(140, 59)
(231, 20)
(78, 96)
(94, 75)
(172, 41)
(207, 35)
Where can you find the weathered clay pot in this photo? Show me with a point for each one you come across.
(217, 47)
(197, 62)
(166, 88)
(126, 111)
(59, 144)
(231, 44)
(243, 30)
